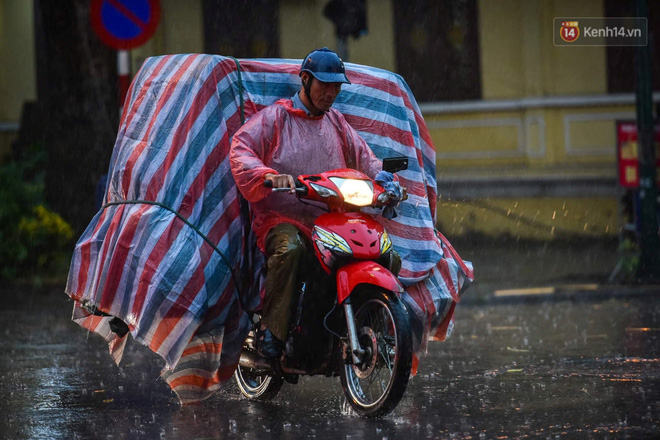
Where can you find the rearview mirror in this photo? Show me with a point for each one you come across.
(394, 164)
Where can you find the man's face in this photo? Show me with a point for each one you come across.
(323, 94)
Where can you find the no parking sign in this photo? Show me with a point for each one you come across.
(124, 24)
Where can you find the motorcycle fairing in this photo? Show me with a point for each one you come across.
(365, 272)
(361, 232)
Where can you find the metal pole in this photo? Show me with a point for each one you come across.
(342, 48)
(124, 76)
(649, 265)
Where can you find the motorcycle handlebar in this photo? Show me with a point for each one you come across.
(300, 188)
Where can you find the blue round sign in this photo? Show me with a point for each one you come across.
(124, 24)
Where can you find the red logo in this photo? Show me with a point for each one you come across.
(569, 31)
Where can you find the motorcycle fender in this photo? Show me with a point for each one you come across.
(365, 272)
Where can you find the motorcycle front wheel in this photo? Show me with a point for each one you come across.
(375, 387)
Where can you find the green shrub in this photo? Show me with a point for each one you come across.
(35, 241)
(45, 234)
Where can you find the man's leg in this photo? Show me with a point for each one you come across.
(286, 249)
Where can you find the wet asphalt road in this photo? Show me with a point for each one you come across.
(565, 369)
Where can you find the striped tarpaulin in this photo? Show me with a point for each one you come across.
(169, 252)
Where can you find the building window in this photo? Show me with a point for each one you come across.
(437, 48)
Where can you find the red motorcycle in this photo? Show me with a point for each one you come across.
(348, 319)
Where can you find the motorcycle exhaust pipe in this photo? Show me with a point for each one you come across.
(253, 361)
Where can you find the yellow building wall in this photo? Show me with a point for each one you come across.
(519, 59)
(377, 47)
(575, 70)
(500, 48)
(181, 30)
(303, 28)
(181, 27)
(530, 218)
(477, 139)
(557, 138)
(18, 71)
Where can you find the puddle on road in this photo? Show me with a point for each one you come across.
(545, 370)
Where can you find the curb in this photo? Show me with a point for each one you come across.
(573, 292)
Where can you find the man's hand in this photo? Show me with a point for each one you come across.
(393, 188)
(281, 181)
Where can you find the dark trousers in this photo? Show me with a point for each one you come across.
(286, 251)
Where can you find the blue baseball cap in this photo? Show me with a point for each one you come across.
(325, 65)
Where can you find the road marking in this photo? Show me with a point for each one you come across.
(522, 292)
(549, 290)
(579, 287)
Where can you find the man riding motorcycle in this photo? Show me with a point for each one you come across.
(301, 135)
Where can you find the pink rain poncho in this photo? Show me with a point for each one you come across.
(281, 139)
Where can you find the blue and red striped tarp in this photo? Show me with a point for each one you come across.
(169, 254)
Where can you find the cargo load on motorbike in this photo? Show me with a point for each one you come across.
(170, 258)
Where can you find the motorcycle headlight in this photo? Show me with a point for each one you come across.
(356, 192)
(385, 243)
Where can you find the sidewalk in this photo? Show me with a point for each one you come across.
(510, 271)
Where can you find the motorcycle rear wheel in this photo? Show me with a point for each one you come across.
(375, 388)
(257, 385)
